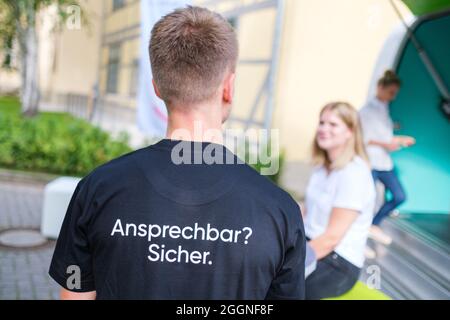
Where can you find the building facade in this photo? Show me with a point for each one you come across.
(294, 61)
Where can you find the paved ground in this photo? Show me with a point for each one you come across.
(23, 273)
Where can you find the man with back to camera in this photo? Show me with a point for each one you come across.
(144, 227)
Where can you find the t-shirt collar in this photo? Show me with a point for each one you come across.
(169, 144)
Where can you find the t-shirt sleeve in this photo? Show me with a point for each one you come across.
(71, 265)
(352, 190)
(289, 282)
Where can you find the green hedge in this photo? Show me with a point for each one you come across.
(53, 142)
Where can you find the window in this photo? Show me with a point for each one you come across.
(8, 55)
(117, 4)
(113, 68)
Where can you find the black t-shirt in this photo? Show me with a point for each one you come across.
(144, 226)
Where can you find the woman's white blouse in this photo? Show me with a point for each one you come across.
(351, 187)
(377, 125)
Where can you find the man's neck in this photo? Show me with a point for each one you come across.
(195, 126)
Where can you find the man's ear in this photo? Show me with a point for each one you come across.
(228, 88)
(156, 89)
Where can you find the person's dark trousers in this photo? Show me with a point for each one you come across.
(333, 277)
(391, 182)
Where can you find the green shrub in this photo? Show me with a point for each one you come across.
(273, 158)
(53, 142)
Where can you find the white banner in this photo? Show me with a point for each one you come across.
(152, 113)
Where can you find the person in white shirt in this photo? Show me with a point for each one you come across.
(339, 203)
(378, 133)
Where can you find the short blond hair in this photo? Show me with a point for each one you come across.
(191, 49)
(355, 147)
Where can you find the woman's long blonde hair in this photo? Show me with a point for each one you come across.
(355, 146)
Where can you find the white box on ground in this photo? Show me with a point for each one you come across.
(57, 195)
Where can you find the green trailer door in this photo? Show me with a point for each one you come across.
(425, 168)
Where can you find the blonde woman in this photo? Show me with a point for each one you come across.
(339, 202)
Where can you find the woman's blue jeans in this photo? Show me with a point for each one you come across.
(391, 182)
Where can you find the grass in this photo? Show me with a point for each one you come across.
(10, 105)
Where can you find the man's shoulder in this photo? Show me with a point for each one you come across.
(264, 190)
(115, 169)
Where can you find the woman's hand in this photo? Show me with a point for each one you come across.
(405, 141)
(392, 146)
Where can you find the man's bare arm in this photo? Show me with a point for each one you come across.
(69, 295)
(391, 146)
(396, 143)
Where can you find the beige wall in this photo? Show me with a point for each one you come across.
(127, 16)
(9, 81)
(74, 60)
(328, 51)
(69, 60)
